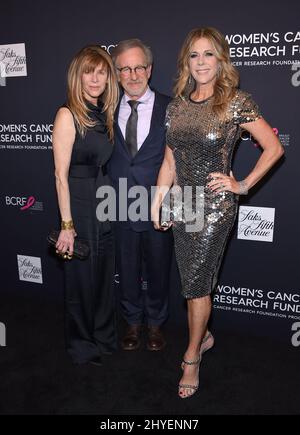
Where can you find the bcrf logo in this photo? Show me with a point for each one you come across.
(23, 202)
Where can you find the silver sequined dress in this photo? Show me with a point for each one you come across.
(201, 144)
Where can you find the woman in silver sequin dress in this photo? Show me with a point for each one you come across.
(204, 122)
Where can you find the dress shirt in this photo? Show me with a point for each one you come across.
(144, 110)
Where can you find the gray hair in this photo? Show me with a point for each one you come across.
(131, 43)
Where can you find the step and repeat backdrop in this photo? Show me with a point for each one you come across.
(259, 286)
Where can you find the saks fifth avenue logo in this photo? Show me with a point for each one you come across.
(24, 203)
(13, 60)
(256, 223)
(30, 269)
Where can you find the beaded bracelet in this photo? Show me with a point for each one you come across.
(243, 187)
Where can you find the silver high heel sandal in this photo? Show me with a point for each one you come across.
(207, 343)
(194, 388)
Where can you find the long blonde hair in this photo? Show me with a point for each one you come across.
(227, 78)
(87, 60)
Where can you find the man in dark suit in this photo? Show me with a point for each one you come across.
(139, 147)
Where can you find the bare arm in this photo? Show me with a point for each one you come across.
(165, 180)
(63, 140)
(272, 151)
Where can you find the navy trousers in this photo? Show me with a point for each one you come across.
(155, 249)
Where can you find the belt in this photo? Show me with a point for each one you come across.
(86, 171)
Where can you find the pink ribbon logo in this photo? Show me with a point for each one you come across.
(30, 202)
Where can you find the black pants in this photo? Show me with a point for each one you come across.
(155, 248)
(89, 302)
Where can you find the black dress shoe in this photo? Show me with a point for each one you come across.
(132, 338)
(156, 340)
(97, 361)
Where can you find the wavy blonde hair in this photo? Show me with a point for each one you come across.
(87, 60)
(227, 78)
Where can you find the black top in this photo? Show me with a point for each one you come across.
(94, 148)
(87, 173)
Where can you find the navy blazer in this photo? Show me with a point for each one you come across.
(143, 168)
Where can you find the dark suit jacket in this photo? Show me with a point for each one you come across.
(143, 168)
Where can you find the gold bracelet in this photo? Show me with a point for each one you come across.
(67, 225)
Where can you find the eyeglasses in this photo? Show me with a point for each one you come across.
(126, 70)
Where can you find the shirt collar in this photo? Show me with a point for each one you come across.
(144, 98)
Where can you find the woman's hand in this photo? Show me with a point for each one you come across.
(222, 182)
(165, 180)
(65, 242)
(164, 226)
(155, 217)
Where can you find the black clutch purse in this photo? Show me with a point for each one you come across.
(81, 249)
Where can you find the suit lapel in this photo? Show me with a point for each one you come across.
(156, 120)
(119, 133)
